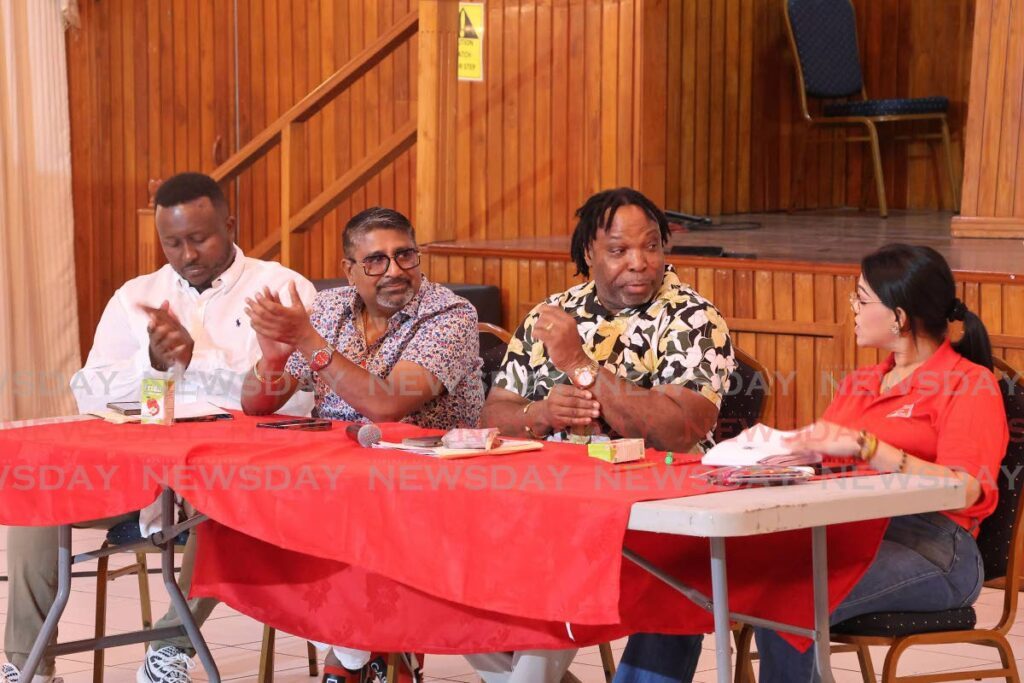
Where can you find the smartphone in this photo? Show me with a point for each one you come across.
(305, 424)
(423, 441)
(126, 407)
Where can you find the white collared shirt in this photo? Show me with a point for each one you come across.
(225, 343)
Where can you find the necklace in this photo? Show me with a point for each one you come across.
(367, 330)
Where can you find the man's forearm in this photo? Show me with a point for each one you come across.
(636, 412)
(507, 416)
(269, 395)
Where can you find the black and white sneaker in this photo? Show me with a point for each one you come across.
(10, 674)
(166, 665)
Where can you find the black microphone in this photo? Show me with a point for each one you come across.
(366, 435)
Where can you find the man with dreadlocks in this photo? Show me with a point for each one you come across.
(633, 352)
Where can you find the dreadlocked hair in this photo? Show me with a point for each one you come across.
(598, 212)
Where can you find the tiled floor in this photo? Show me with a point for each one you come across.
(235, 640)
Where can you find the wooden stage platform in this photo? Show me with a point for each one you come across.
(783, 286)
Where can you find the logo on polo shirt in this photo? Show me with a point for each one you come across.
(905, 411)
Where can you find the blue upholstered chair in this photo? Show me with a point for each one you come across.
(823, 36)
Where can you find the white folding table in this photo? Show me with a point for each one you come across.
(752, 511)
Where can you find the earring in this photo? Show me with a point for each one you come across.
(895, 329)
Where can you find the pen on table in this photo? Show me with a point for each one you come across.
(634, 466)
(203, 418)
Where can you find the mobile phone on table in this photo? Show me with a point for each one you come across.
(126, 407)
(422, 441)
(305, 424)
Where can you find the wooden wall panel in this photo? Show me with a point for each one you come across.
(723, 136)
(152, 88)
(554, 119)
(692, 101)
(793, 317)
(993, 188)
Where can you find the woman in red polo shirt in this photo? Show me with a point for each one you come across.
(932, 408)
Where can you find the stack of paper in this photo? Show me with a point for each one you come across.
(759, 445)
(501, 447)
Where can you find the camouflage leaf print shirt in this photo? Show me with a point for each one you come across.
(679, 337)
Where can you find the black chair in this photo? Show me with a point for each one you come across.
(748, 400)
(823, 37)
(493, 344)
(999, 540)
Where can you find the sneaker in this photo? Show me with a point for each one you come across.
(339, 674)
(166, 665)
(10, 674)
(377, 670)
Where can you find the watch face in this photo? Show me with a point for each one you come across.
(585, 376)
(321, 359)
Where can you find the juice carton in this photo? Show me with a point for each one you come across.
(618, 450)
(157, 401)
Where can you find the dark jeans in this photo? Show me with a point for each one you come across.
(926, 563)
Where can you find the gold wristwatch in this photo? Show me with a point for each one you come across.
(585, 376)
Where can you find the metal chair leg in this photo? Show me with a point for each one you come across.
(394, 666)
(876, 156)
(101, 614)
(266, 670)
(607, 661)
(744, 660)
(867, 667)
(314, 662)
(801, 166)
(146, 603)
(947, 145)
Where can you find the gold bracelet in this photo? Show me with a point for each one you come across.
(526, 428)
(262, 380)
(868, 445)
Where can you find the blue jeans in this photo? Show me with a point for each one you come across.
(657, 658)
(926, 563)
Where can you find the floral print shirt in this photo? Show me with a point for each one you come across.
(678, 337)
(437, 330)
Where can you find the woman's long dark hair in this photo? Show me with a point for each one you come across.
(918, 280)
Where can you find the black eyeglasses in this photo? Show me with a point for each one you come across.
(378, 264)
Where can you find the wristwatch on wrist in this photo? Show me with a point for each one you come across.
(585, 376)
(321, 358)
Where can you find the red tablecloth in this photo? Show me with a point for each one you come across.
(388, 550)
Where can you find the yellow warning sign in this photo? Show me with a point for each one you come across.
(471, 41)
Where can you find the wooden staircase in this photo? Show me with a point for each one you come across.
(435, 22)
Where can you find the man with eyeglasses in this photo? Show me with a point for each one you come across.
(390, 347)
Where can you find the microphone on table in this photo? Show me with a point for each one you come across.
(366, 435)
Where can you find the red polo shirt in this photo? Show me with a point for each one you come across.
(949, 411)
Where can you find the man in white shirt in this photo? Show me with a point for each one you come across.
(190, 313)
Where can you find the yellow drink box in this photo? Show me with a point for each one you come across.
(619, 450)
(157, 401)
